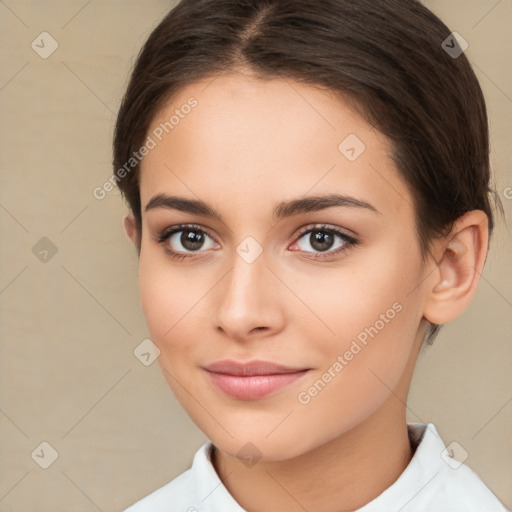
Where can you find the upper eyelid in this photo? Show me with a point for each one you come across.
(319, 227)
(300, 232)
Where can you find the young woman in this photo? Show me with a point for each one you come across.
(308, 185)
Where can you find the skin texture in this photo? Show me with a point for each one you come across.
(248, 145)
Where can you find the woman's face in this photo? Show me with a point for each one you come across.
(329, 289)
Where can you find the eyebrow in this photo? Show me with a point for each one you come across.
(280, 211)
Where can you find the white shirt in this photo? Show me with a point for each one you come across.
(432, 482)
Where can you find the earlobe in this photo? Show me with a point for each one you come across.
(462, 256)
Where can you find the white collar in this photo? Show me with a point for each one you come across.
(432, 482)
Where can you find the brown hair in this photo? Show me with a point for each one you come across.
(385, 56)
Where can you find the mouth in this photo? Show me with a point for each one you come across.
(252, 380)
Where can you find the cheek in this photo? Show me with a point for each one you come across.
(157, 299)
(365, 292)
(360, 374)
(167, 300)
(171, 302)
(165, 295)
(373, 313)
(174, 301)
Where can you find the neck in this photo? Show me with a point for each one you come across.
(341, 475)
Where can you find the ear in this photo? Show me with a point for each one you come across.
(130, 228)
(460, 261)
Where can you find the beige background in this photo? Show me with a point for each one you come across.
(69, 325)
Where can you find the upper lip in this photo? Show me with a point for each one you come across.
(250, 368)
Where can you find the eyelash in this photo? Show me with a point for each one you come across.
(350, 242)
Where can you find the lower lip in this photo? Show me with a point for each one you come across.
(252, 387)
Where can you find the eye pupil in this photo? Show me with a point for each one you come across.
(192, 240)
(321, 241)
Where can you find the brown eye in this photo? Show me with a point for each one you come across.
(321, 241)
(182, 241)
(324, 240)
(192, 240)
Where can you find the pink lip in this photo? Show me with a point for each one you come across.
(253, 380)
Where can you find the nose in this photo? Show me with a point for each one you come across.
(249, 302)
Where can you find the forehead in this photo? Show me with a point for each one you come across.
(270, 139)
